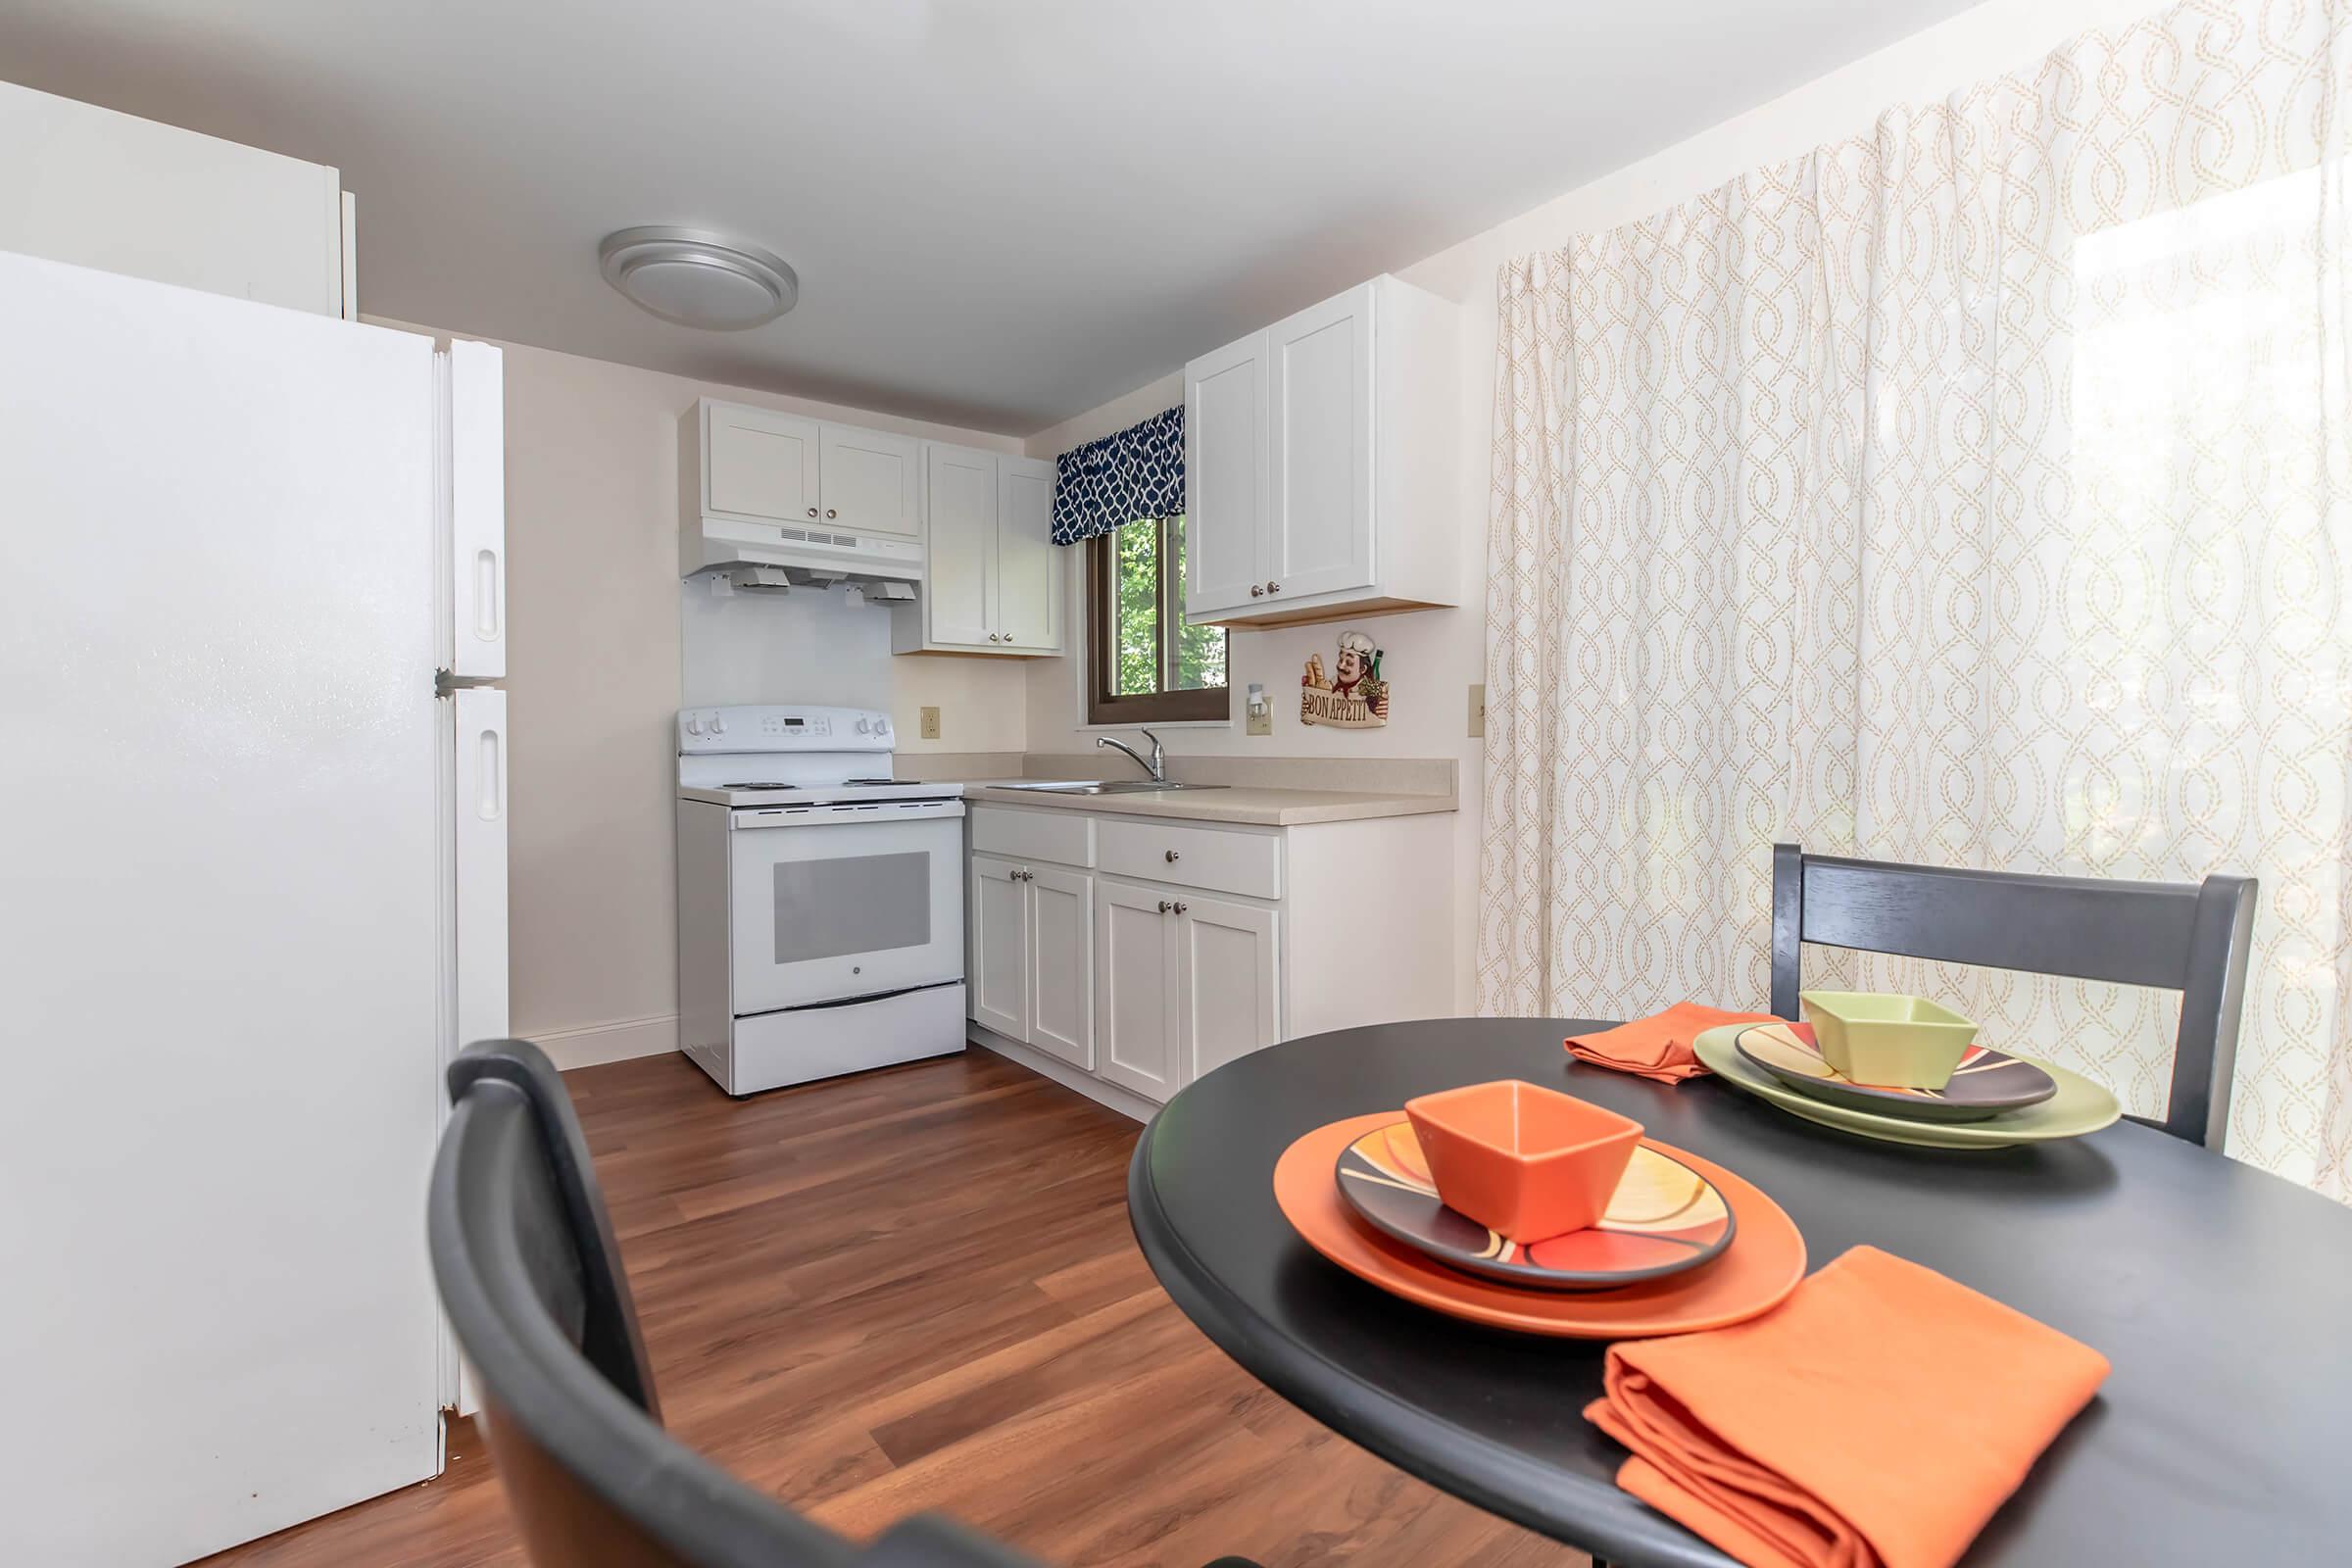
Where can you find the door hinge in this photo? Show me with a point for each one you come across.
(446, 684)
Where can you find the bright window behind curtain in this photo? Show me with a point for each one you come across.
(1974, 492)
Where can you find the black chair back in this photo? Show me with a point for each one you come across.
(2192, 938)
(523, 1253)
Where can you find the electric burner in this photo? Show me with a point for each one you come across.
(758, 784)
(849, 781)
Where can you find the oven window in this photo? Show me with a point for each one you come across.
(831, 909)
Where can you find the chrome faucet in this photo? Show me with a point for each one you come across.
(1159, 774)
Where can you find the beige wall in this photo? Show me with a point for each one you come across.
(1434, 657)
(594, 608)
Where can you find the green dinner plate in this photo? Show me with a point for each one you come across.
(2078, 1106)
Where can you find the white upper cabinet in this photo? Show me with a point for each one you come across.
(1320, 462)
(1318, 529)
(1225, 478)
(763, 463)
(87, 185)
(959, 592)
(870, 483)
(1028, 561)
(993, 574)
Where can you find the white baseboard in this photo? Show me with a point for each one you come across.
(600, 1042)
(1134, 1107)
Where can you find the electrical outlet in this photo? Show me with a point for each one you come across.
(930, 728)
(1478, 711)
(1261, 719)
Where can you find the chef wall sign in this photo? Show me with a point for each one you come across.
(1352, 696)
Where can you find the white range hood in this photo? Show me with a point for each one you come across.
(804, 558)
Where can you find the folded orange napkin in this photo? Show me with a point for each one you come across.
(1658, 1047)
(1877, 1417)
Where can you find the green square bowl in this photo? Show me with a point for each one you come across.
(1881, 1037)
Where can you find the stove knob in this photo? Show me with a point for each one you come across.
(718, 725)
(865, 726)
(693, 725)
(881, 726)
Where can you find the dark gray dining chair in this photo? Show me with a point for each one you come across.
(2190, 937)
(528, 1271)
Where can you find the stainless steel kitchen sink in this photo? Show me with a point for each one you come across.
(1119, 786)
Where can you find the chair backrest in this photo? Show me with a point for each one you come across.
(2192, 938)
(524, 1256)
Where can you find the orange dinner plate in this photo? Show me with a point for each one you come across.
(1754, 1274)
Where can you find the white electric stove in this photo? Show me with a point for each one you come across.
(820, 900)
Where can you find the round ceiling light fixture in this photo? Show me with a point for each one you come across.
(697, 278)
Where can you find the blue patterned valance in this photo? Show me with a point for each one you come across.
(1107, 484)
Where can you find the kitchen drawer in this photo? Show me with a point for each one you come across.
(1066, 838)
(1248, 863)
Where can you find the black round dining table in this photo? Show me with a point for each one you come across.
(2221, 1294)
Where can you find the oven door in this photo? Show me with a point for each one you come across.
(835, 902)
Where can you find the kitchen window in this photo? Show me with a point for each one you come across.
(1144, 665)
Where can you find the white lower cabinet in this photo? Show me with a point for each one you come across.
(1147, 953)
(1135, 942)
(1227, 988)
(998, 966)
(1031, 965)
(1061, 963)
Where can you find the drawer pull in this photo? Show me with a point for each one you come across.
(1165, 907)
(1173, 857)
(1181, 906)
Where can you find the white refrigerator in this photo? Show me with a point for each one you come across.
(252, 895)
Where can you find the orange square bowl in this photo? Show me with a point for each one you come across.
(1523, 1159)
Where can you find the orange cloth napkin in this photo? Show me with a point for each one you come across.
(1877, 1417)
(1658, 1047)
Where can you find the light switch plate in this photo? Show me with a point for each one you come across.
(1478, 711)
(930, 727)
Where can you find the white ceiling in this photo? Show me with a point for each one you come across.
(1003, 211)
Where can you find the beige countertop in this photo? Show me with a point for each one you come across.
(1265, 807)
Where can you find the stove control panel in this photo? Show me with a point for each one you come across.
(769, 727)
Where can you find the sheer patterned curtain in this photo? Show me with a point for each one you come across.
(1972, 492)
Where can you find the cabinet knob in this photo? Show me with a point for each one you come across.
(1173, 857)
(1273, 587)
(813, 511)
(1255, 592)
(1181, 906)
(1165, 905)
(830, 513)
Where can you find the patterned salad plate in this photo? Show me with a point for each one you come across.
(1665, 1217)
(2078, 1106)
(1754, 1274)
(1986, 1082)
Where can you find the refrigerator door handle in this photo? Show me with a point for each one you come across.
(481, 915)
(477, 510)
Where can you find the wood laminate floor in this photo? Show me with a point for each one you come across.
(915, 1289)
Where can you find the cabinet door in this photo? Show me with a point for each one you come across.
(872, 482)
(1225, 478)
(1135, 989)
(761, 464)
(1319, 383)
(960, 559)
(1028, 561)
(1000, 941)
(1061, 964)
(1228, 990)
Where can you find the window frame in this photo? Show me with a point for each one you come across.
(1204, 705)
